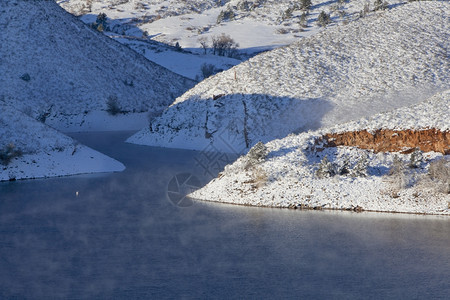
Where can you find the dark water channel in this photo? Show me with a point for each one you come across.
(122, 237)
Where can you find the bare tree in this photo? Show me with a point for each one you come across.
(224, 45)
(89, 5)
(203, 40)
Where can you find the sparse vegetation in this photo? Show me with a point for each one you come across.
(303, 20)
(345, 168)
(256, 155)
(326, 168)
(207, 70)
(439, 173)
(245, 5)
(360, 169)
(416, 159)
(43, 115)
(365, 11)
(380, 5)
(112, 105)
(204, 43)
(101, 19)
(282, 31)
(305, 4)
(178, 47)
(287, 14)
(8, 153)
(259, 177)
(224, 45)
(226, 15)
(397, 176)
(324, 19)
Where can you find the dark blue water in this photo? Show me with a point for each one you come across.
(122, 237)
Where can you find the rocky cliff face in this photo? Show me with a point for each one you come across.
(388, 140)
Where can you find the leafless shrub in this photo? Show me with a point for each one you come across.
(397, 178)
(204, 43)
(260, 177)
(439, 173)
(282, 31)
(207, 70)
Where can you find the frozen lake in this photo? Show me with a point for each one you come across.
(123, 237)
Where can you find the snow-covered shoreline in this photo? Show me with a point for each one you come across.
(30, 149)
(80, 160)
(287, 176)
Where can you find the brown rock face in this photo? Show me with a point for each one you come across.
(387, 140)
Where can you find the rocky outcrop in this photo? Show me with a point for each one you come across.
(388, 140)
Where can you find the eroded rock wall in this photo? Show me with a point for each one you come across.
(387, 140)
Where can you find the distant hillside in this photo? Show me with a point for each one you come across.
(387, 60)
(255, 24)
(397, 161)
(153, 27)
(56, 69)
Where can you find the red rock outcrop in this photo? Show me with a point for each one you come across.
(387, 140)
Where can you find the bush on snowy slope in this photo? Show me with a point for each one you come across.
(8, 153)
(323, 19)
(439, 173)
(256, 155)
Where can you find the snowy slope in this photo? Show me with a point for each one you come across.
(432, 113)
(375, 64)
(44, 151)
(54, 68)
(256, 25)
(287, 178)
(185, 63)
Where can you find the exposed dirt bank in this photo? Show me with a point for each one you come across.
(387, 140)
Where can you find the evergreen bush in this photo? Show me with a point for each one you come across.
(8, 153)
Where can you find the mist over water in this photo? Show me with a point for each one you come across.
(122, 237)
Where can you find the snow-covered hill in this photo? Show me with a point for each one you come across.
(256, 25)
(286, 173)
(56, 69)
(385, 61)
(30, 149)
